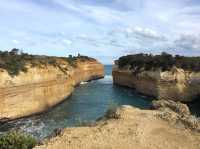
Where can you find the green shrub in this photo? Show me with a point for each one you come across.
(164, 61)
(111, 112)
(71, 60)
(17, 140)
(15, 65)
(15, 61)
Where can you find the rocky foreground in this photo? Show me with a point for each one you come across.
(169, 127)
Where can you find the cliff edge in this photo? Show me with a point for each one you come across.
(160, 77)
(132, 128)
(45, 82)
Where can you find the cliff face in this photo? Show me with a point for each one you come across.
(42, 87)
(177, 84)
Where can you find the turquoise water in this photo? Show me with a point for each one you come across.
(88, 102)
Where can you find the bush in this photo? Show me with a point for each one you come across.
(15, 65)
(15, 61)
(17, 140)
(71, 60)
(164, 62)
(112, 113)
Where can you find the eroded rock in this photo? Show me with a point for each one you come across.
(176, 113)
(178, 107)
(175, 84)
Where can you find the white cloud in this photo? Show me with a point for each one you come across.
(67, 41)
(188, 42)
(15, 41)
(101, 27)
(144, 33)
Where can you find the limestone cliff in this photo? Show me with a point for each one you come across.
(175, 84)
(42, 87)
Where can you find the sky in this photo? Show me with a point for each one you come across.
(103, 29)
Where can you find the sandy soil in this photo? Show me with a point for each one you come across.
(135, 129)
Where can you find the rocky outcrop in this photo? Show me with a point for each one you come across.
(176, 113)
(42, 87)
(177, 107)
(134, 128)
(176, 84)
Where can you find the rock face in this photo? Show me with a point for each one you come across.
(177, 84)
(176, 113)
(42, 87)
(177, 107)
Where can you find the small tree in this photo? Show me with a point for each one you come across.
(14, 51)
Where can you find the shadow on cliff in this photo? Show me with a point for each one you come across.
(194, 106)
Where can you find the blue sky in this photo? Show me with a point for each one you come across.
(104, 29)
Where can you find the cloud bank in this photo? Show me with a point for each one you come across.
(104, 29)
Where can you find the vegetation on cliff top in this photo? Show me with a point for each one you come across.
(17, 140)
(164, 61)
(15, 61)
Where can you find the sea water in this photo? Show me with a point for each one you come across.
(89, 101)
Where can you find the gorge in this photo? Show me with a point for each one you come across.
(83, 114)
(88, 102)
(169, 125)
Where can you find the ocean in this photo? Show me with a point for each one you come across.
(89, 101)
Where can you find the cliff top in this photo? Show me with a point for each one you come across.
(164, 62)
(15, 61)
(133, 128)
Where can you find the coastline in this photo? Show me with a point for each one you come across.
(38, 99)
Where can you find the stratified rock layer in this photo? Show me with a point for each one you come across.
(42, 87)
(177, 84)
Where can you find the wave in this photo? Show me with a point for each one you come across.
(83, 83)
(106, 80)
